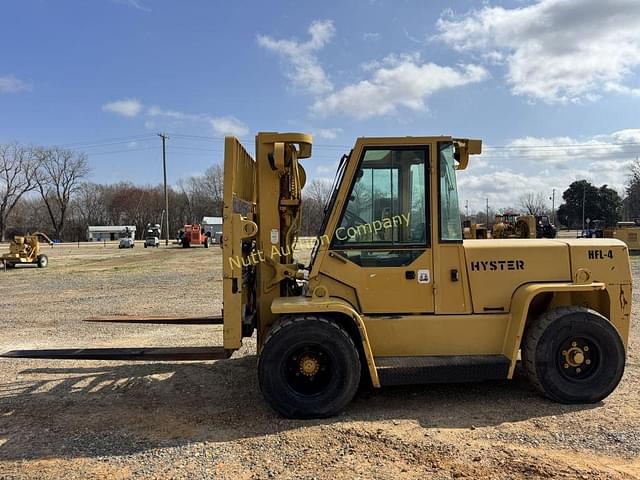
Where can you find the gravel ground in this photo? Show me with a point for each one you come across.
(72, 419)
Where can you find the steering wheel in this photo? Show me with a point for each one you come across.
(354, 219)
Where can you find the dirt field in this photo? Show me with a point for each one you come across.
(70, 419)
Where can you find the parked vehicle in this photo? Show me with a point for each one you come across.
(194, 235)
(152, 235)
(127, 239)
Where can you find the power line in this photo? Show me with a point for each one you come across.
(102, 141)
(100, 145)
(129, 150)
(545, 153)
(561, 146)
(199, 137)
(148, 136)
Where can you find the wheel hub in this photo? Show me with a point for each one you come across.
(309, 366)
(309, 369)
(576, 357)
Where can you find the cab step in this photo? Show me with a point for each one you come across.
(146, 354)
(441, 369)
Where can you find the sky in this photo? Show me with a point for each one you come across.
(552, 87)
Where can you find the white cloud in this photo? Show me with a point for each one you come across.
(397, 81)
(328, 133)
(307, 74)
(554, 50)
(156, 111)
(228, 126)
(536, 164)
(323, 169)
(12, 84)
(137, 4)
(156, 117)
(623, 89)
(129, 107)
(371, 36)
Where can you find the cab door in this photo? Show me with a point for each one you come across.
(381, 247)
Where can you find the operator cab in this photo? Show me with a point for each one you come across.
(400, 206)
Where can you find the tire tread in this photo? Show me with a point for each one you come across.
(532, 336)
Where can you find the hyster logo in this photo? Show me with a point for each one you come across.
(493, 265)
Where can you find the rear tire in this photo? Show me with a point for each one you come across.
(43, 261)
(309, 367)
(573, 355)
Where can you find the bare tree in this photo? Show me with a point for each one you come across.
(314, 197)
(16, 179)
(213, 181)
(59, 175)
(533, 203)
(203, 193)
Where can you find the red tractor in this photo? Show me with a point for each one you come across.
(194, 235)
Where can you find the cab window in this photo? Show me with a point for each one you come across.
(450, 226)
(386, 205)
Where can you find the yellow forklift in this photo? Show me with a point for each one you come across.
(393, 294)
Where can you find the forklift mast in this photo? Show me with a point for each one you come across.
(261, 219)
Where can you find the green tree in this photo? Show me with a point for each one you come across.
(632, 200)
(610, 206)
(602, 203)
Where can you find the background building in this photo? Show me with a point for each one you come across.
(101, 233)
(213, 225)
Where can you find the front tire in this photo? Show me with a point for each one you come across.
(309, 367)
(43, 261)
(573, 355)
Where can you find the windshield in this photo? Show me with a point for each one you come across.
(331, 202)
(450, 226)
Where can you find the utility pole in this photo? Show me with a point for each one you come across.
(584, 193)
(164, 138)
(466, 207)
(487, 213)
(553, 207)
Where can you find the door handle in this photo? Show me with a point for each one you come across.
(410, 275)
(455, 276)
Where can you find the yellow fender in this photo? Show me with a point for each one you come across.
(293, 305)
(520, 302)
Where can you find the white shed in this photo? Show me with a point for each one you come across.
(213, 226)
(99, 233)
